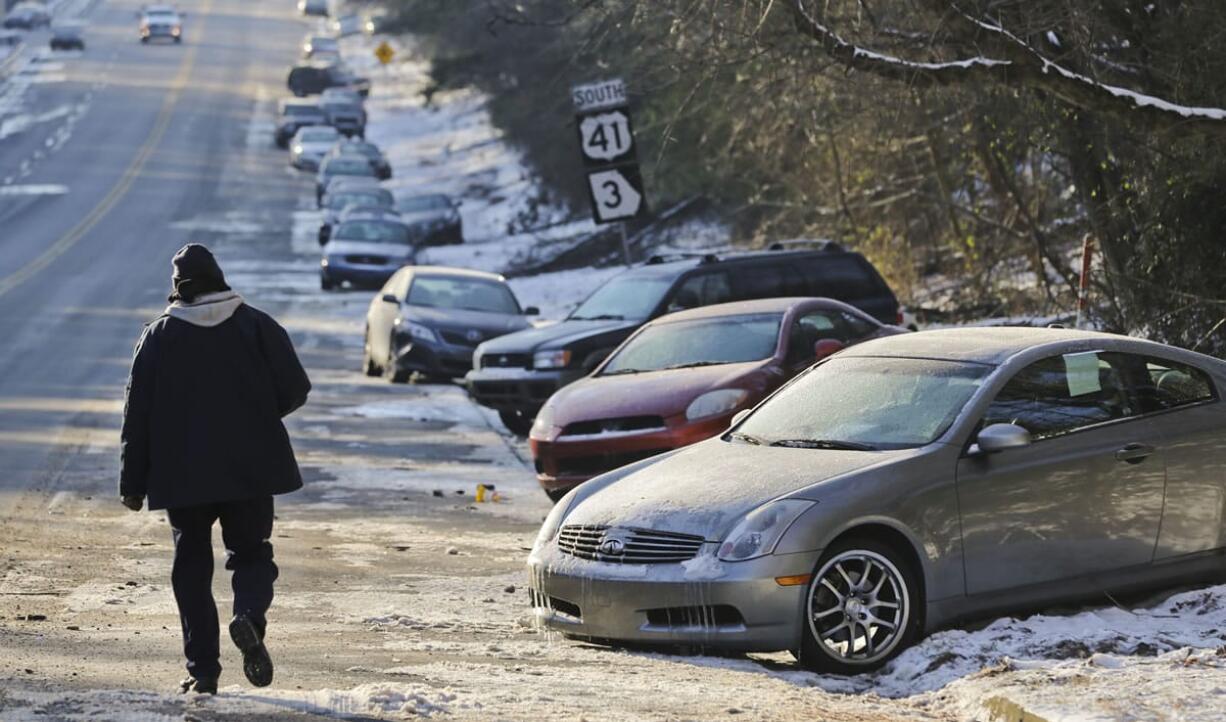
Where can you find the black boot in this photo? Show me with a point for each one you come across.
(198, 686)
(257, 665)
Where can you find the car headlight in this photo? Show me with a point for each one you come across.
(416, 330)
(296, 149)
(714, 403)
(761, 529)
(543, 423)
(553, 522)
(550, 359)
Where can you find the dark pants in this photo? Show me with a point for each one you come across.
(246, 527)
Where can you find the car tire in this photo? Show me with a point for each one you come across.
(144, 41)
(325, 284)
(517, 421)
(555, 495)
(369, 367)
(877, 575)
(390, 372)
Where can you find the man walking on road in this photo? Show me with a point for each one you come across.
(203, 439)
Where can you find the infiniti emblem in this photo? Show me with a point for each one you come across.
(612, 547)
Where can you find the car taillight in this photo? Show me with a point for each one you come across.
(899, 317)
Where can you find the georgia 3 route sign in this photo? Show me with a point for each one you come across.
(606, 139)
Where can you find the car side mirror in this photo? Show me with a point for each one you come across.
(391, 298)
(532, 311)
(827, 347)
(1001, 437)
(738, 417)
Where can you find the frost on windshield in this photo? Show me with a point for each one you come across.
(737, 339)
(882, 403)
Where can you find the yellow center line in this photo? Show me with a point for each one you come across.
(130, 174)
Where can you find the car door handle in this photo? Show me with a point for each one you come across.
(1134, 453)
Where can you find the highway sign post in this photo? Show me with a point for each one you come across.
(606, 140)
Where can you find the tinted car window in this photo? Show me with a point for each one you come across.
(705, 342)
(1062, 394)
(373, 232)
(625, 297)
(769, 280)
(810, 328)
(348, 166)
(316, 135)
(843, 277)
(1163, 384)
(883, 403)
(703, 289)
(423, 203)
(466, 294)
(378, 198)
(302, 110)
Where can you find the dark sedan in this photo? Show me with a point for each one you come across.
(428, 319)
(67, 37)
(437, 215)
(367, 150)
(27, 16)
(679, 380)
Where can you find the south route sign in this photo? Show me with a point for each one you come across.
(384, 53)
(606, 140)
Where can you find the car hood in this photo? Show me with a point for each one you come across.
(490, 324)
(706, 488)
(656, 393)
(338, 248)
(554, 336)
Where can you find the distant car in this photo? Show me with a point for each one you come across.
(365, 252)
(347, 165)
(427, 319)
(319, 43)
(346, 116)
(293, 114)
(67, 37)
(318, 8)
(346, 25)
(376, 22)
(518, 373)
(342, 183)
(437, 214)
(160, 21)
(900, 487)
(312, 78)
(680, 378)
(335, 205)
(310, 144)
(369, 151)
(27, 16)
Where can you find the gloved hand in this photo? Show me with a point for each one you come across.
(133, 502)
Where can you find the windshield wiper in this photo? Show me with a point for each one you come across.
(600, 317)
(748, 438)
(693, 365)
(831, 444)
(620, 372)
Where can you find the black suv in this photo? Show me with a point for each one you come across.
(517, 373)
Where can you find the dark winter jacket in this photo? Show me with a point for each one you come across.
(210, 383)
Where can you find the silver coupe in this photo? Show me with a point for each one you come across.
(901, 486)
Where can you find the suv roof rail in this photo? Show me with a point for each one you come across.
(659, 258)
(820, 244)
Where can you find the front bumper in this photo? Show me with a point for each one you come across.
(434, 358)
(742, 609)
(516, 389)
(359, 276)
(563, 462)
(306, 161)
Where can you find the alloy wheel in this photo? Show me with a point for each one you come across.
(858, 608)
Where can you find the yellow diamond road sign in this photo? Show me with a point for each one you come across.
(384, 53)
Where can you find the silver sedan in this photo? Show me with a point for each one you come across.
(901, 486)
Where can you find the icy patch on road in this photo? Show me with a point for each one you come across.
(452, 408)
(34, 189)
(382, 699)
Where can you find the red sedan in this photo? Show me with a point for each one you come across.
(681, 378)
